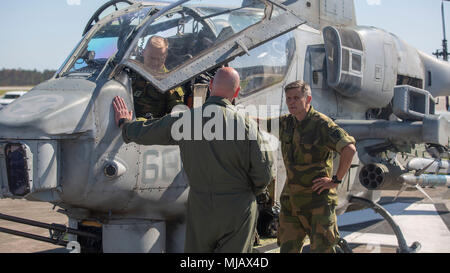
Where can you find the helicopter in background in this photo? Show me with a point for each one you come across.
(59, 142)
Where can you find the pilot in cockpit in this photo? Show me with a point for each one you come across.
(148, 101)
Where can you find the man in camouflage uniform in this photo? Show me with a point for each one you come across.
(225, 173)
(149, 102)
(308, 200)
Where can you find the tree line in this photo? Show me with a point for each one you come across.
(20, 77)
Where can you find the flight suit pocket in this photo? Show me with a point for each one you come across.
(285, 205)
(325, 234)
(286, 147)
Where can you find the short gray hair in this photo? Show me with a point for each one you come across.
(303, 86)
(158, 42)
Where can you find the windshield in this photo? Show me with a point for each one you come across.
(186, 32)
(106, 41)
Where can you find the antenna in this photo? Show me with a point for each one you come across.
(444, 52)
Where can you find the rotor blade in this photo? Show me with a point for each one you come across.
(422, 191)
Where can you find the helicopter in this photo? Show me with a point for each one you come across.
(59, 142)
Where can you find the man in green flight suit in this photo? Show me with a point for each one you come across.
(226, 172)
(309, 198)
(149, 102)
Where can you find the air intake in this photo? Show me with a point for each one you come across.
(17, 169)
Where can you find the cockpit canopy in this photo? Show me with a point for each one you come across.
(189, 29)
(190, 37)
(106, 40)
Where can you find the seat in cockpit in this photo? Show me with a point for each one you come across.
(224, 34)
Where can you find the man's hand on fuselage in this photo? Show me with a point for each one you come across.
(121, 111)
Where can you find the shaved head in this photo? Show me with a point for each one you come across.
(226, 83)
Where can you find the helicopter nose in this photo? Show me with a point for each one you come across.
(46, 113)
(32, 131)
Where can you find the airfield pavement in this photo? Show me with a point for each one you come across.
(419, 219)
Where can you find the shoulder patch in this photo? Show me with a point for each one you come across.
(323, 117)
(337, 135)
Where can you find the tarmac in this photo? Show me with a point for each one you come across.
(366, 232)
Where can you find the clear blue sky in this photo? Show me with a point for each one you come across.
(39, 34)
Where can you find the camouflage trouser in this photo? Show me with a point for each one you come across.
(319, 224)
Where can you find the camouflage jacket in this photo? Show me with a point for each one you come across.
(148, 100)
(307, 148)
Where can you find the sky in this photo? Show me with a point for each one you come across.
(40, 34)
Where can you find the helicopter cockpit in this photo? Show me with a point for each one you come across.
(200, 35)
(190, 29)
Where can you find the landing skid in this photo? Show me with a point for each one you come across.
(402, 246)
